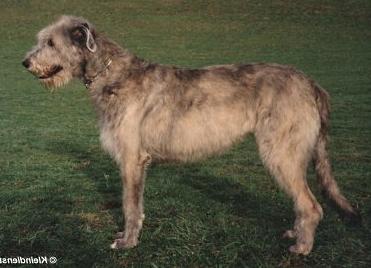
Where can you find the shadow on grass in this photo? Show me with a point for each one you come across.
(223, 190)
(253, 208)
(220, 189)
(99, 168)
(42, 219)
(270, 216)
(93, 164)
(36, 223)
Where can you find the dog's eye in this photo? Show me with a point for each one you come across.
(50, 43)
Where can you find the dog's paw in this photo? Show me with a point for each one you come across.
(289, 234)
(119, 243)
(301, 248)
(119, 235)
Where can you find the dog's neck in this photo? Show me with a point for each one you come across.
(90, 79)
(98, 64)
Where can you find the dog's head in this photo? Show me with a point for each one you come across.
(61, 51)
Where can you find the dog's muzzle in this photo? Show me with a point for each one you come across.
(53, 71)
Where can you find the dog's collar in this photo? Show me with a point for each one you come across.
(89, 81)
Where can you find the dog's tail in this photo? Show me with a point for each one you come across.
(322, 162)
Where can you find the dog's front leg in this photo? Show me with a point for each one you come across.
(133, 175)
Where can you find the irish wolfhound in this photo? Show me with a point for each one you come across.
(150, 112)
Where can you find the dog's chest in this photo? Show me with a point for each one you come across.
(118, 125)
(110, 115)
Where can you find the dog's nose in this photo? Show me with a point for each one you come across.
(26, 63)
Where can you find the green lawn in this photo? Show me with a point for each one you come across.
(60, 195)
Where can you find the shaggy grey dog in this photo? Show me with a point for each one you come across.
(154, 112)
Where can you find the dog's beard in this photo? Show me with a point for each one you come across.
(56, 81)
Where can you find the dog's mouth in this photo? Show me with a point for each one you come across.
(53, 71)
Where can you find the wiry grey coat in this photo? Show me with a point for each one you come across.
(150, 112)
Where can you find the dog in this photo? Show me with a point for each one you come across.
(152, 112)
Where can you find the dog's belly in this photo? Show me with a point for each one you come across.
(195, 134)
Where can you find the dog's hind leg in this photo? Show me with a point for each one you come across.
(308, 212)
(286, 148)
(290, 172)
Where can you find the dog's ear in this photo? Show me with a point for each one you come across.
(83, 36)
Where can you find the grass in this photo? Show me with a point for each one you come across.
(60, 195)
